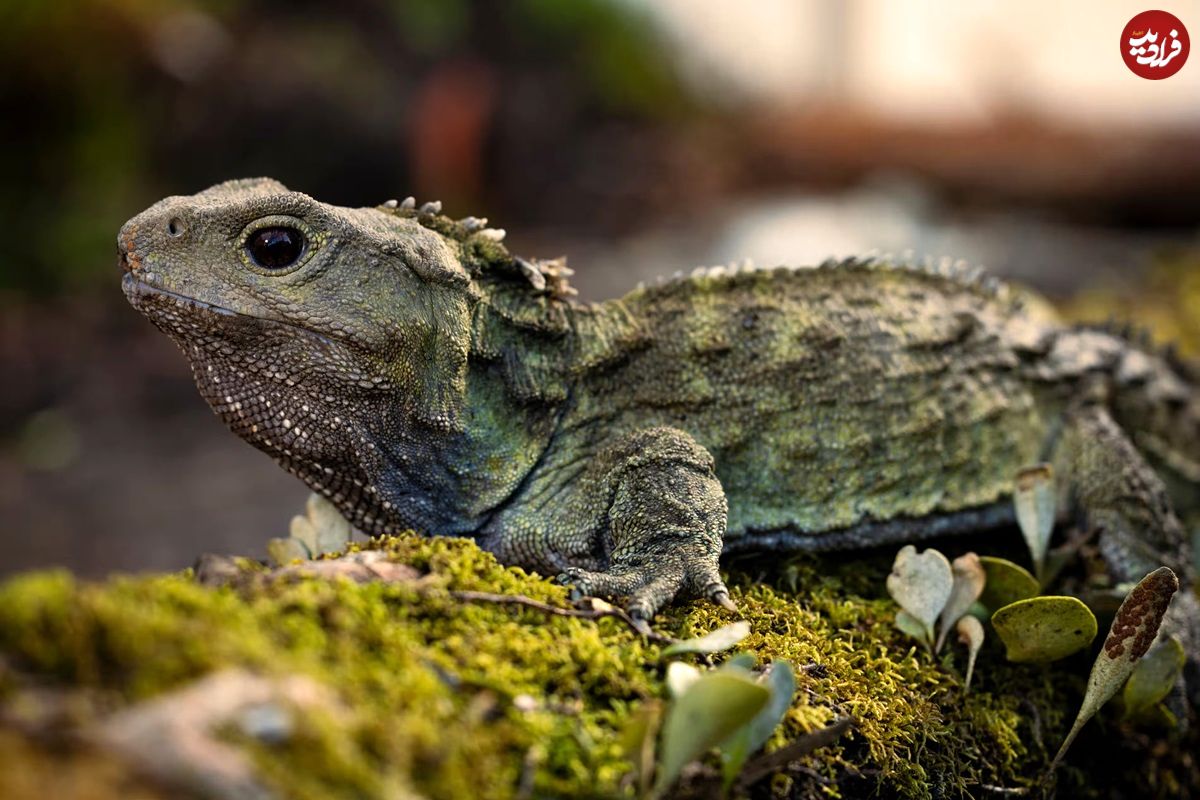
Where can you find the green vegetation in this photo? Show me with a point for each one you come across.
(447, 698)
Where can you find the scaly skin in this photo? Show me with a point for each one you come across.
(410, 369)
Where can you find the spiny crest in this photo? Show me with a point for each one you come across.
(972, 278)
(484, 253)
(957, 271)
(1143, 339)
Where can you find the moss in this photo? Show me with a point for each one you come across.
(428, 683)
(35, 771)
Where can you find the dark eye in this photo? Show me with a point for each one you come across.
(275, 248)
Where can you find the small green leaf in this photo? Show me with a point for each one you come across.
(969, 578)
(1006, 583)
(1044, 629)
(1036, 503)
(332, 529)
(286, 550)
(921, 584)
(908, 624)
(301, 529)
(970, 633)
(980, 612)
(638, 739)
(748, 739)
(722, 638)
(742, 661)
(1154, 676)
(708, 712)
(1132, 632)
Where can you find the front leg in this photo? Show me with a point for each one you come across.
(659, 521)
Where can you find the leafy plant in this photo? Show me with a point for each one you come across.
(921, 583)
(970, 633)
(722, 638)
(709, 709)
(321, 530)
(781, 683)
(731, 708)
(1133, 631)
(1035, 504)
(969, 579)
(1042, 629)
(1005, 582)
(1154, 676)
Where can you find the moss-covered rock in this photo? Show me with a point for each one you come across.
(440, 697)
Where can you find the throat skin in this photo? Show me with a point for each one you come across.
(400, 473)
(371, 450)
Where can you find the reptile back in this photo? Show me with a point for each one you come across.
(832, 396)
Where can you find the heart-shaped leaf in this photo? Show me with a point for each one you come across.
(921, 584)
(1006, 583)
(1036, 503)
(708, 712)
(1154, 676)
(781, 682)
(1132, 632)
(1044, 628)
(722, 638)
(969, 578)
(970, 633)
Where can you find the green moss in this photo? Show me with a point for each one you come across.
(428, 683)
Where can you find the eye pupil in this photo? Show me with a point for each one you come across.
(275, 248)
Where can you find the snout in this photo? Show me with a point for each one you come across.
(128, 260)
(148, 240)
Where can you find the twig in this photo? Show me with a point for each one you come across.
(769, 763)
(1018, 791)
(637, 626)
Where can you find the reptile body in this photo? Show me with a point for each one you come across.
(413, 371)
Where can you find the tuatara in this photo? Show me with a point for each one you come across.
(413, 371)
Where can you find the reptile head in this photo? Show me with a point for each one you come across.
(297, 315)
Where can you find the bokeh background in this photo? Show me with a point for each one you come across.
(640, 137)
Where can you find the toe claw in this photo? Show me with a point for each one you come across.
(721, 598)
(639, 623)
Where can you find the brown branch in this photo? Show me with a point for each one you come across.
(770, 763)
(638, 626)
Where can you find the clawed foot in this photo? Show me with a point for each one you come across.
(647, 588)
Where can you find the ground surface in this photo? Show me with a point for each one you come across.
(420, 694)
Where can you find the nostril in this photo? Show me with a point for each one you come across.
(175, 227)
(123, 262)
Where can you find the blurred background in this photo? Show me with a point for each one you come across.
(638, 136)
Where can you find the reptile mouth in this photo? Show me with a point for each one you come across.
(138, 291)
(155, 302)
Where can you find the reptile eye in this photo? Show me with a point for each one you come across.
(275, 248)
